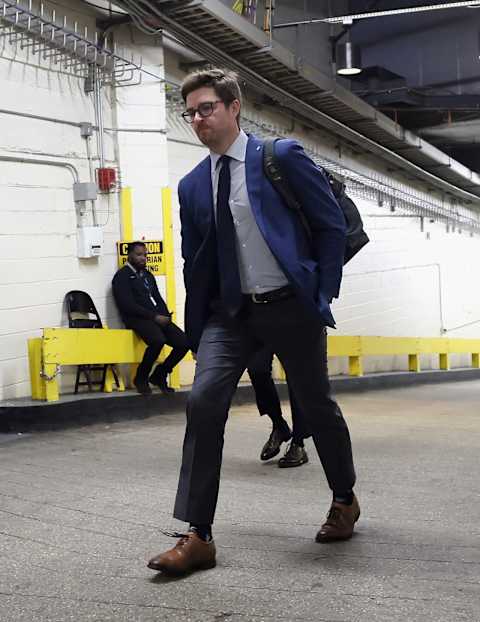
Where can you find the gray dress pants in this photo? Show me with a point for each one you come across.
(299, 340)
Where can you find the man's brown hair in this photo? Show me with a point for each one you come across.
(224, 83)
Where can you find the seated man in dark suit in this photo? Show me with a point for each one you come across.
(143, 310)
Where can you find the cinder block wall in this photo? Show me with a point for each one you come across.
(38, 246)
(394, 287)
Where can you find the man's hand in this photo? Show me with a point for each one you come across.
(162, 320)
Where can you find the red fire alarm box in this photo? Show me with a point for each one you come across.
(106, 179)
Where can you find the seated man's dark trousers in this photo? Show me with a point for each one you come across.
(266, 396)
(156, 337)
(300, 342)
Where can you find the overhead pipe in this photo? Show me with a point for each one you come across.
(98, 108)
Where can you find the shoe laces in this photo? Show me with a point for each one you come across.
(184, 537)
(291, 445)
(334, 515)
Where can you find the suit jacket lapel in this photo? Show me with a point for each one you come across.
(204, 198)
(254, 175)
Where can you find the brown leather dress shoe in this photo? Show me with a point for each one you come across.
(340, 522)
(190, 553)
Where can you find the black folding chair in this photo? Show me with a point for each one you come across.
(82, 313)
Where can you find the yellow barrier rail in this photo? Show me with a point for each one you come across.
(355, 348)
(70, 346)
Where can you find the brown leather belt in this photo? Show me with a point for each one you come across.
(273, 296)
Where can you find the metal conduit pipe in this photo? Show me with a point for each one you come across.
(97, 104)
(59, 163)
(37, 117)
(288, 100)
(62, 164)
(92, 177)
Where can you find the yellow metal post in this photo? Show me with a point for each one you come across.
(355, 366)
(110, 380)
(50, 371)
(476, 360)
(281, 373)
(51, 361)
(126, 214)
(169, 262)
(444, 360)
(413, 362)
(37, 383)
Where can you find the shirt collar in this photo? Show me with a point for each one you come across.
(237, 150)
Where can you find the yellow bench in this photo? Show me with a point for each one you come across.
(82, 346)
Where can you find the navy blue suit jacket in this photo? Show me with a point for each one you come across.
(313, 268)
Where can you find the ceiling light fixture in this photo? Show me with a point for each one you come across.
(348, 58)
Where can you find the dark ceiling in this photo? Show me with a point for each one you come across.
(423, 70)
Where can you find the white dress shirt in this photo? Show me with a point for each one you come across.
(259, 270)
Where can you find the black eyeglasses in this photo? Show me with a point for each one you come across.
(205, 109)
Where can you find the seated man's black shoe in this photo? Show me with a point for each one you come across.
(159, 379)
(142, 386)
(294, 456)
(276, 438)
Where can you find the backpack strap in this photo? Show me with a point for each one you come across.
(272, 170)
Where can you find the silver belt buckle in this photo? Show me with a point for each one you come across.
(258, 302)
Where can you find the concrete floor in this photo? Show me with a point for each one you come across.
(80, 513)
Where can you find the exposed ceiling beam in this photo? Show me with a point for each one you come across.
(421, 101)
(335, 109)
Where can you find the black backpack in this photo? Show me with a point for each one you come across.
(356, 236)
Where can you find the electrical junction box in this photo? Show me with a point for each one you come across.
(84, 191)
(89, 242)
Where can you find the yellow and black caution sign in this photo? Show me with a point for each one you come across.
(155, 259)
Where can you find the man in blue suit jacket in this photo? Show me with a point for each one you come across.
(252, 276)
